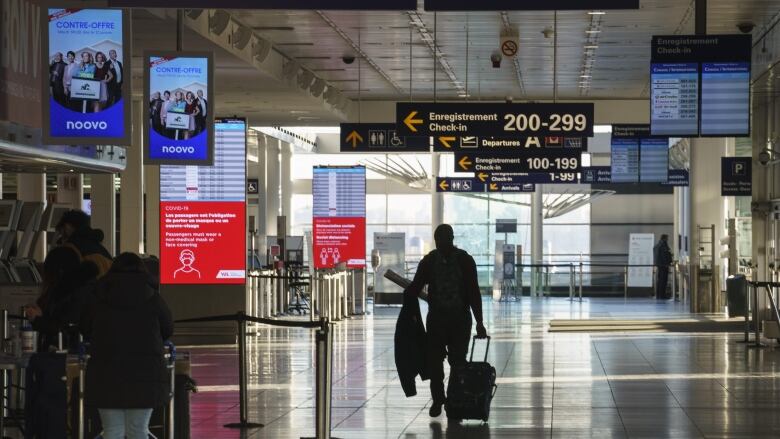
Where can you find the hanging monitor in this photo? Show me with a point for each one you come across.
(339, 211)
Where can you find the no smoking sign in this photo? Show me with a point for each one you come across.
(509, 48)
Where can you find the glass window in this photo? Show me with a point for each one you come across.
(301, 209)
(409, 208)
(419, 239)
(464, 210)
(376, 208)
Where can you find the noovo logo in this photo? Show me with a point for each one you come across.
(178, 149)
(86, 125)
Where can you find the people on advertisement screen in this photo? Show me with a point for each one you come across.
(86, 66)
(453, 295)
(191, 108)
(71, 70)
(104, 75)
(186, 271)
(115, 85)
(203, 105)
(155, 109)
(56, 79)
(167, 104)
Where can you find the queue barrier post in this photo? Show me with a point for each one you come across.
(571, 282)
(625, 282)
(581, 281)
(243, 400)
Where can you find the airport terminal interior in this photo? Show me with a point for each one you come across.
(568, 205)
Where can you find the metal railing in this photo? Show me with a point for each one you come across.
(770, 288)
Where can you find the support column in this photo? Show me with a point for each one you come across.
(103, 196)
(152, 211)
(70, 190)
(32, 187)
(707, 208)
(537, 238)
(131, 212)
(437, 198)
(272, 185)
(286, 184)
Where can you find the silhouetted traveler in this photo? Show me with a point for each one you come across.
(74, 227)
(127, 324)
(453, 291)
(663, 259)
(67, 284)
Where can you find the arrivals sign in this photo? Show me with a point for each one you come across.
(339, 216)
(203, 214)
(380, 138)
(532, 160)
(178, 122)
(494, 119)
(736, 176)
(87, 83)
(515, 5)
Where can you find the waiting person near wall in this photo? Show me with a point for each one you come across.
(662, 255)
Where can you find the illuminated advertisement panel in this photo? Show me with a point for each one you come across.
(339, 211)
(179, 118)
(87, 86)
(203, 214)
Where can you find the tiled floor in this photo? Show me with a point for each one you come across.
(609, 385)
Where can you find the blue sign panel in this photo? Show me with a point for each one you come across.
(654, 160)
(678, 177)
(88, 80)
(725, 99)
(455, 184)
(736, 176)
(596, 175)
(674, 99)
(533, 178)
(179, 120)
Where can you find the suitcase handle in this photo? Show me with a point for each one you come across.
(487, 348)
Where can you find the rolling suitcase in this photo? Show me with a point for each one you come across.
(471, 388)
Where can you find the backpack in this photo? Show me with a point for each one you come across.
(447, 283)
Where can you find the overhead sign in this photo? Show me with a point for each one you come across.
(178, 128)
(87, 78)
(380, 138)
(510, 42)
(514, 5)
(596, 175)
(478, 144)
(349, 5)
(506, 225)
(678, 177)
(526, 178)
(511, 187)
(452, 184)
(339, 216)
(700, 85)
(532, 160)
(736, 176)
(494, 119)
(203, 213)
(638, 156)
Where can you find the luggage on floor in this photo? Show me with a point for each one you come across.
(471, 388)
(184, 385)
(46, 397)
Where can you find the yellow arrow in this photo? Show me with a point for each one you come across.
(355, 138)
(445, 141)
(464, 163)
(443, 185)
(482, 176)
(410, 121)
(493, 187)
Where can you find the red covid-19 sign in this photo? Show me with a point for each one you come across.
(339, 239)
(202, 242)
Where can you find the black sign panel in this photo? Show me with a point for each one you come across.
(457, 184)
(347, 5)
(252, 186)
(596, 175)
(678, 177)
(736, 176)
(494, 119)
(380, 138)
(487, 144)
(527, 5)
(511, 187)
(701, 48)
(532, 160)
(526, 178)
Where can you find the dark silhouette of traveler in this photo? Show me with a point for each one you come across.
(453, 293)
(75, 232)
(663, 259)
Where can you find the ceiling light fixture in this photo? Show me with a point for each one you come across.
(597, 13)
(219, 21)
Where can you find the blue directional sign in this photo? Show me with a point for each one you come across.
(532, 178)
(454, 184)
(379, 138)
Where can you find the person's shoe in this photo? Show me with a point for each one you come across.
(435, 410)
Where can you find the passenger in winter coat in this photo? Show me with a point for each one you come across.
(127, 324)
(67, 283)
(75, 229)
(663, 259)
(453, 293)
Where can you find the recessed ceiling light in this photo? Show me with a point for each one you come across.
(584, 76)
(592, 31)
(592, 46)
(596, 13)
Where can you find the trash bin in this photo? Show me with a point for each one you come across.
(736, 291)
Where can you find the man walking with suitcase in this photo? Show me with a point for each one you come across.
(453, 294)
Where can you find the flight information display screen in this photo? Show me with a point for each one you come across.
(654, 160)
(339, 216)
(625, 160)
(674, 99)
(725, 99)
(203, 214)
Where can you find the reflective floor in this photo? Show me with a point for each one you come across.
(606, 385)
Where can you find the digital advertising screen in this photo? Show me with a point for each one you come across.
(339, 216)
(179, 119)
(87, 84)
(674, 99)
(203, 214)
(725, 99)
